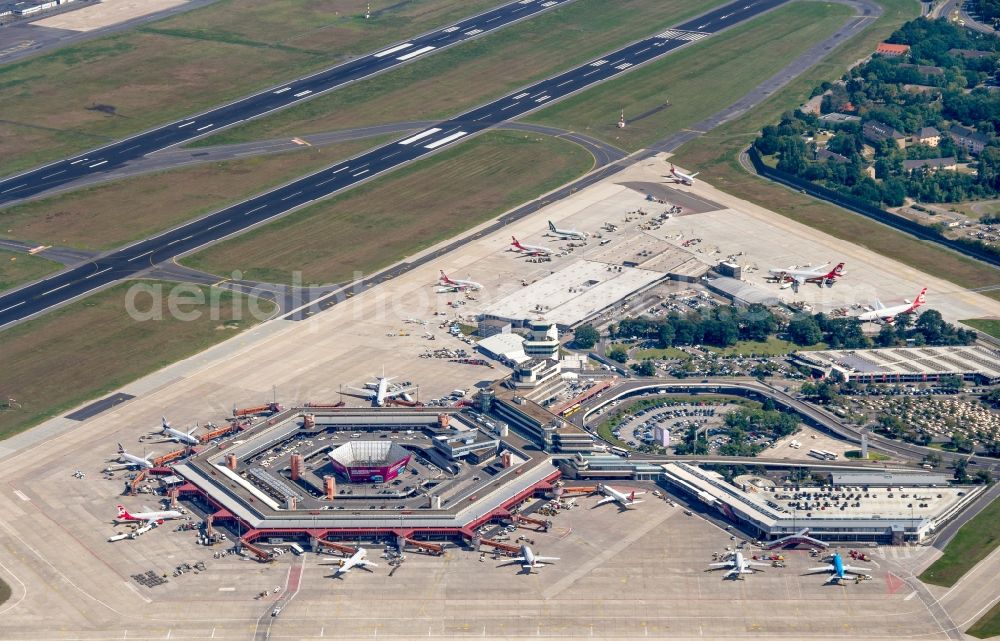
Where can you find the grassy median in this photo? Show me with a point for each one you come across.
(666, 96)
(17, 268)
(988, 626)
(451, 81)
(112, 214)
(973, 543)
(989, 326)
(396, 215)
(84, 95)
(93, 346)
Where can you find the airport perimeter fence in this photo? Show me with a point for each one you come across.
(968, 248)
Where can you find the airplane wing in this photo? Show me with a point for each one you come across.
(719, 565)
(758, 564)
(606, 499)
(546, 559)
(356, 391)
(822, 568)
(633, 502)
(799, 278)
(368, 564)
(519, 559)
(856, 570)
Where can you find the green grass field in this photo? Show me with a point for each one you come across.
(974, 541)
(17, 269)
(398, 214)
(450, 81)
(106, 348)
(112, 214)
(697, 80)
(872, 456)
(771, 347)
(986, 325)
(716, 155)
(185, 63)
(988, 626)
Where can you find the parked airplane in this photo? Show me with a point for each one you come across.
(681, 177)
(613, 495)
(357, 560)
(531, 250)
(838, 570)
(738, 566)
(529, 561)
(457, 285)
(566, 234)
(381, 390)
(883, 314)
(125, 516)
(187, 438)
(819, 275)
(131, 459)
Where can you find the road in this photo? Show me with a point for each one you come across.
(814, 415)
(70, 284)
(118, 153)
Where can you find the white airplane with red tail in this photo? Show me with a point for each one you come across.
(124, 516)
(456, 284)
(531, 250)
(883, 314)
(819, 275)
(613, 495)
(681, 177)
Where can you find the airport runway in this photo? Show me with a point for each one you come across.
(116, 154)
(68, 285)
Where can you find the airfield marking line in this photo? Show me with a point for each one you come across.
(13, 306)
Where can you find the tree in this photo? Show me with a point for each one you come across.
(804, 331)
(962, 471)
(951, 383)
(646, 368)
(933, 459)
(886, 336)
(983, 477)
(618, 353)
(585, 336)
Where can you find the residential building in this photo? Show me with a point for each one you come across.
(929, 136)
(931, 164)
(879, 131)
(886, 49)
(969, 139)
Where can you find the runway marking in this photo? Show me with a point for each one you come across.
(56, 289)
(424, 134)
(13, 188)
(395, 153)
(643, 50)
(590, 73)
(450, 30)
(97, 164)
(361, 173)
(445, 140)
(473, 32)
(414, 54)
(910, 596)
(221, 224)
(543, 98)
(205, 127)
(382, 54)
(227, 589)
(185, 124)
(129, 149)
(291, 195)
(141, 255)
(12, 306)
(519, 96)
(328, 180)
(623, 67)
(55, 174)
(302, 93)
(564, 83)
(106, 269)
(548, 4)
(598, 63)
(255, 209)
(492, 19)
(282, 90)
(513, 104)
(77, 161)
(679, 34)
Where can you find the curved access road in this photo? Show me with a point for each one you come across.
(71, 284)
(115, 155)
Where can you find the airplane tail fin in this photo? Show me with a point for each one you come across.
(836, 272)
(121, 449)
(921, 298)
(122, 512)
(551, 226)
(516, 242)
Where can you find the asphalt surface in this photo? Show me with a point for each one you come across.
(175, 158)
(68, 285)
(116, 154)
